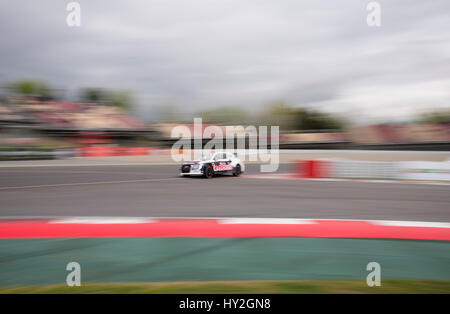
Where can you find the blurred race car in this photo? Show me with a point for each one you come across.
(215, 163)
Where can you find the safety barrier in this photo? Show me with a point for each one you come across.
(36, 154)
(424, 170)
(402, 170)
(364, 169)
(313, 169)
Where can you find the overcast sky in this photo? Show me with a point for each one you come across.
(200, 54)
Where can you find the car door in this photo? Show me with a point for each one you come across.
(221, 163)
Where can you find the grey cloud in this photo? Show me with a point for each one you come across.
(200, 54)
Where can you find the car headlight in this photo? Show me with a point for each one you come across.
(195, 166)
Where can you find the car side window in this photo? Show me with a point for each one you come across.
(220, 156)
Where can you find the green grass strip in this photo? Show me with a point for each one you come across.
(247, 287)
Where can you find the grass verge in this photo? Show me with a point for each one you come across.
(246, 287)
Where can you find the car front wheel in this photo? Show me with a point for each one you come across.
(237, 171)
(208, 172)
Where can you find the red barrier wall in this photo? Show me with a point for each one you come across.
(101, 151)
(312, 168)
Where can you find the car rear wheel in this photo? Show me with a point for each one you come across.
(237, 171)
(208, 172)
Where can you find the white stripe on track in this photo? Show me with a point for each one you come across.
(425, 224)
(271, 221)
(102, 220)
(90, 164)
(229, 220)
(82, 183)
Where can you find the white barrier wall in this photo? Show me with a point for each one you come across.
(363, 169)
(424, 170)
(400, 170)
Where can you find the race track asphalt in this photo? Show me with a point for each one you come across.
(157, 191)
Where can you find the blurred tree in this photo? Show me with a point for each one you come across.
(31, 88)
(442, 116)
(279, 113)
(225, 115)
(290, 118)
(314, 120)
(121, 98)
(92, 95)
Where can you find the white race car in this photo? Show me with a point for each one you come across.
(215, 163)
